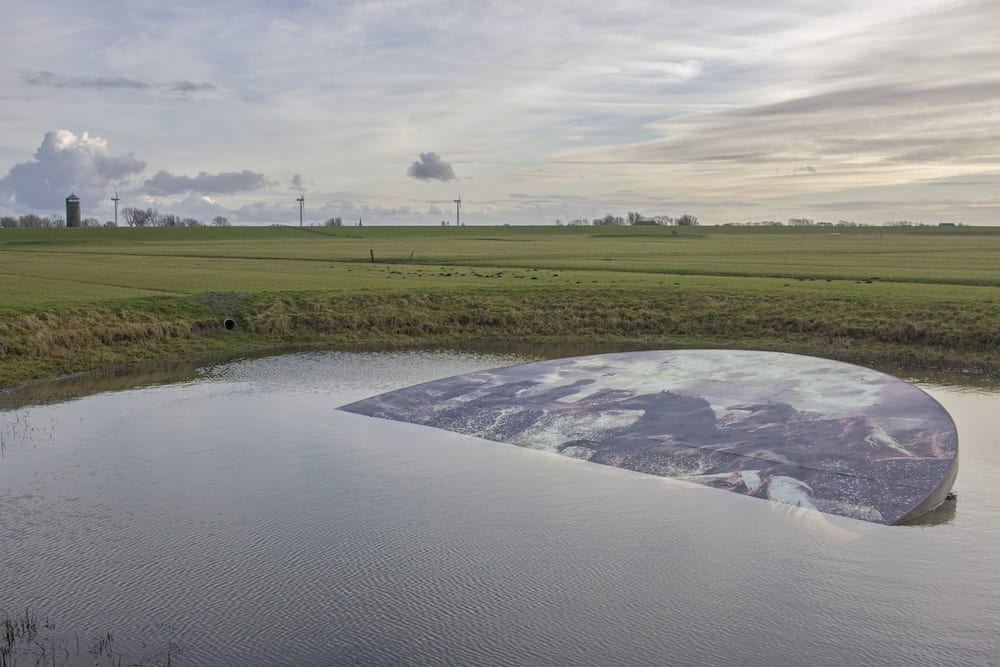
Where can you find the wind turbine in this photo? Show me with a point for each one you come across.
(302, 201)
(115, 199)
(458, 211)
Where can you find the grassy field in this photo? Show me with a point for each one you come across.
(76, 299)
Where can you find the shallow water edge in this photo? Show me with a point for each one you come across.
(161, 372)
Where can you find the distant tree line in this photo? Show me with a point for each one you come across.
(795, 222)
(133, 217)
(809, 222)
(31, 220)
(150, 217)
(908, 223)
(339, 222)
(633, 218)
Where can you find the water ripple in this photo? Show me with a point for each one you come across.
(242, 520)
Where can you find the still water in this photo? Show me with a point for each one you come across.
(239, 518)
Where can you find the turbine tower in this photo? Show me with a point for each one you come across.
(458, 211)
(301, 200)
(115, 199)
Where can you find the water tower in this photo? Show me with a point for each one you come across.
(72, 211)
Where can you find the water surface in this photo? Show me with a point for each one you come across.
(238, 518)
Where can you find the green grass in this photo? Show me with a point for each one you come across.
(959, 256)
(75, 299)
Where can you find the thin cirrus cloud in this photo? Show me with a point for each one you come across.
(726, 110)
(52, 80)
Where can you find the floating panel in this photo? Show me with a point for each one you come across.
(803, 431)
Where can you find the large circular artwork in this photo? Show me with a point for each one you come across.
(807, 432)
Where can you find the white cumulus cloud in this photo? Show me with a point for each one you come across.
(67, 163)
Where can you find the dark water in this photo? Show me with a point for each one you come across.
(238, 518)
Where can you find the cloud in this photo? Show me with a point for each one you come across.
(296, 183)
(430, 167)
(52, 80)
(188, 87)
(316, 211)
(722, 104)
(43, 78)
(66, 163)
(200, 207)
(883, 96)
(164, 183)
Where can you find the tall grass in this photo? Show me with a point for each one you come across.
(25, 642)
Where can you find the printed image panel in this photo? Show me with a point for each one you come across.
(802, 431)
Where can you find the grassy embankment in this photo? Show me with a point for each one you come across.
(77, 299)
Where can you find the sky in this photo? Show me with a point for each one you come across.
(530, 112)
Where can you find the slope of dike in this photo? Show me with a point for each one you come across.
(888, 334)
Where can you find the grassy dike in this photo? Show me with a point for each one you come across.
(103, 298)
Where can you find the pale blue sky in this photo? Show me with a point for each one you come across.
(851, 110)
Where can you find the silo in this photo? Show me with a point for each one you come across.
(72, 211)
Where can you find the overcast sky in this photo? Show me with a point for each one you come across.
(530, 111)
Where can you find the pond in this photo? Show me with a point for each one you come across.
(237, 517)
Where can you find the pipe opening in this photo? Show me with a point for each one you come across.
(229, 324)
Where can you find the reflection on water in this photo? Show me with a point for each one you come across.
(237, 518)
